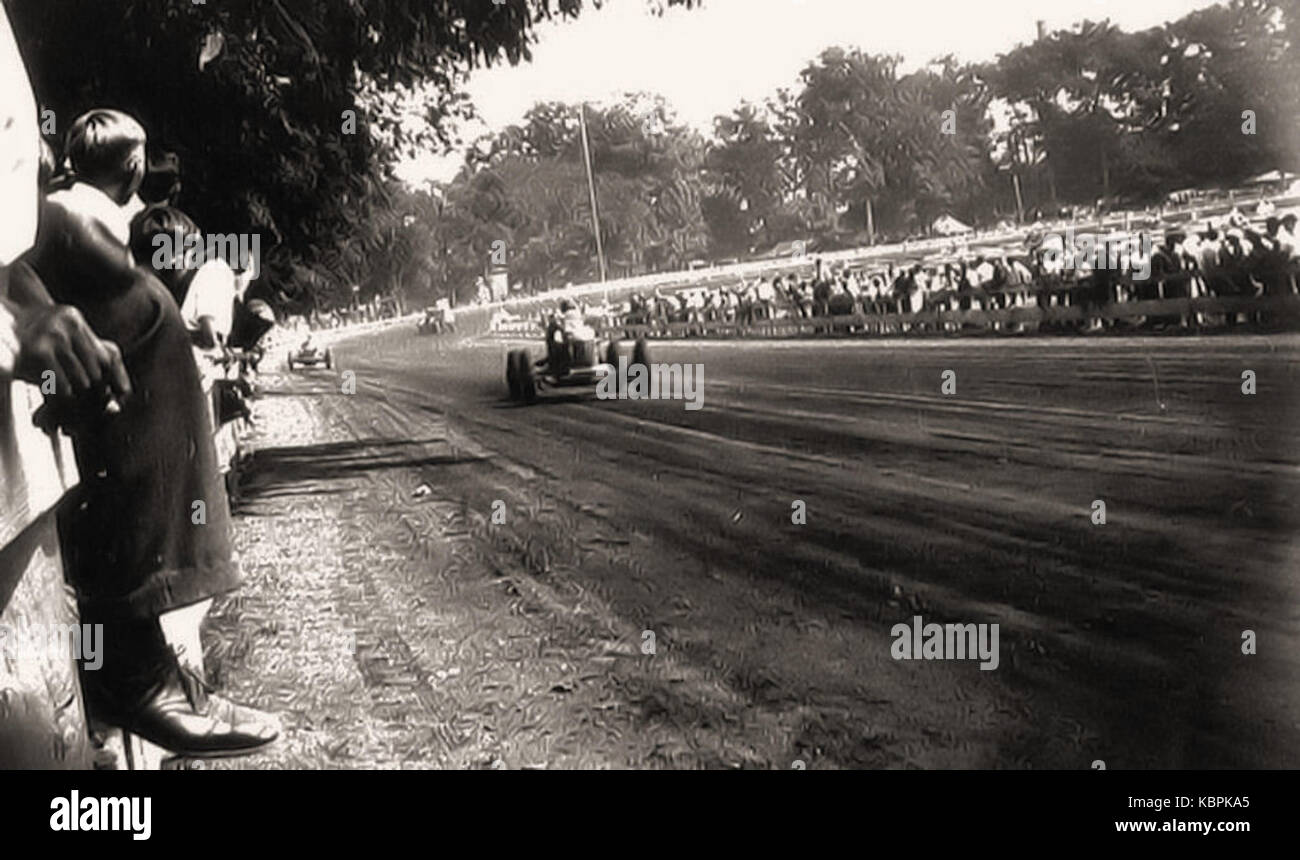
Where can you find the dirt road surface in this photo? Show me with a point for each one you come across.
(649, 602)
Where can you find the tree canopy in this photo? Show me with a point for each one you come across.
(253, 96)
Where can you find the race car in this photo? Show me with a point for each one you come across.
(575, 358)
(428, 324)
(311, 355)
(436, 321)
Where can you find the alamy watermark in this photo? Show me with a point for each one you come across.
(654, 382)
(126, 814)
(933, 641)
(180, 250)
(1073, 250)
(84, 642)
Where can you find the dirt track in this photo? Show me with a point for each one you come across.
(520, 644)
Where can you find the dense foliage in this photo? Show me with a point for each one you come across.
(252, 95)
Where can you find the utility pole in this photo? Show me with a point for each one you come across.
(591, 189)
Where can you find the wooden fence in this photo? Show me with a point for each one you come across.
(1202, 313)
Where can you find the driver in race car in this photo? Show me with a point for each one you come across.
(558, 332)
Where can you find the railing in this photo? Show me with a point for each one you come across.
(1283, 310)
(1012, 308)
(42, 722)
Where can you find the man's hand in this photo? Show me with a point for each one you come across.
(56, 338)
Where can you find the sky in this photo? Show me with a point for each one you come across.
(707, 60)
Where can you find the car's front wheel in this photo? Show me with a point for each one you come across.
(527, 381)
(641, 353)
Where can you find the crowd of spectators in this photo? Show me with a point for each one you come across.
(1232, 257)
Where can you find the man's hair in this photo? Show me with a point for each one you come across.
(162, 179)
(49, 165)
(100, 143)
(154, 221)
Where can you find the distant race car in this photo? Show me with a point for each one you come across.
(311, 355)
(435, 321)
(575, 358)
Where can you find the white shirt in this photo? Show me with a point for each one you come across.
(1286, 241)
(211, 294)
(35, 471)
(8, 342)
(20, 152)
(87, 200)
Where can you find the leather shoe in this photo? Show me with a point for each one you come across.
(186, 719)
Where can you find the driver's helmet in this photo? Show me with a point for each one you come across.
(570, 315)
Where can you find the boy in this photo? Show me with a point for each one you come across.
(164, 238)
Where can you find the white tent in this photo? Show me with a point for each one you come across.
(1266, 178)
(946, 225)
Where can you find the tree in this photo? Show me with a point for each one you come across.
(1222, 61)
(526, 188)
(1104, 111)
(862, 136)
(746, 186)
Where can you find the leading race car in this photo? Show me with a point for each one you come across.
(429, 324)
(575, 359)
(437, 320)
(311, 355)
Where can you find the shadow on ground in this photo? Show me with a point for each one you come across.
(277, 471)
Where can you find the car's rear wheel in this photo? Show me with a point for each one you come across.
(527, 381)
(291, 365)
(611, 358)
(512, 374)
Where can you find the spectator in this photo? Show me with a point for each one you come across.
(821, 293)
(765, 299)
(802, 298)
(162, 181)
(36, 336)
(1286, 236)
(207, 291)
